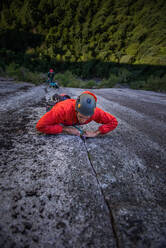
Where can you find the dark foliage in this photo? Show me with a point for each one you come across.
(86, 37)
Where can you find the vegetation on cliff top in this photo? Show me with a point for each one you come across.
(122, 40)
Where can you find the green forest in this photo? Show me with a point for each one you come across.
(116, 41)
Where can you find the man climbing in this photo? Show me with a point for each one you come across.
(71, 112)
(55, 99)
(51, 75)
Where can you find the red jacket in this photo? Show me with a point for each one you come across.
(64, 114)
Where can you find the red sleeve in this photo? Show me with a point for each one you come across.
(50, 122)
(109, 121)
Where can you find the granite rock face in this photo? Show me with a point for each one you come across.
(133, 173)
(50, 196)
(57, 191)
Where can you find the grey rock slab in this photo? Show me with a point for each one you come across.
(57, 191)
(140, 226)
(9, 87)
(145, 111)
(130, 166)
(49, 194)
(21, 97)
(131, 180)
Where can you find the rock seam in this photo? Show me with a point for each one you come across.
(112, 220)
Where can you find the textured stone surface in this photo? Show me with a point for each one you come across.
(49, 193)
(130, 165)
(56, 191)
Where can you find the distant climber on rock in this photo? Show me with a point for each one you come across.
(51, 75)
(71, 113)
